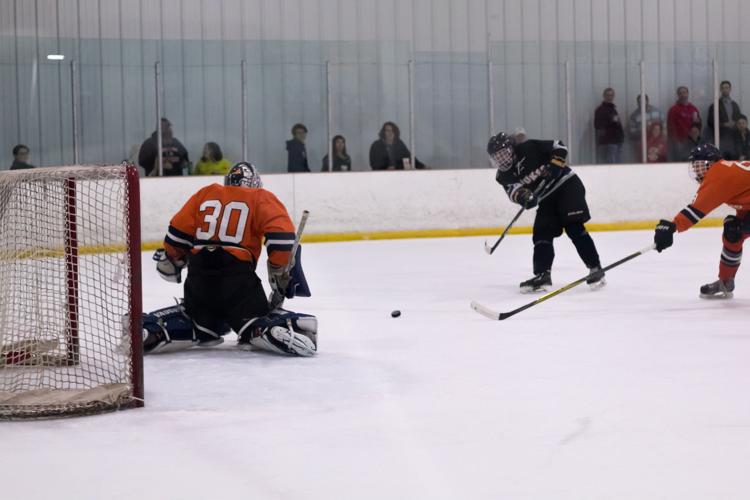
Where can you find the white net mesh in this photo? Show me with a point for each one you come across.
(65, 343)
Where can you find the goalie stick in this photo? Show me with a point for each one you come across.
(489, 313)
(490, 249)
(277, 298)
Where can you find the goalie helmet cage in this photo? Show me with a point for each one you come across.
(70, 309)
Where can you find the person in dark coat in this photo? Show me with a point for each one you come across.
(389, 152)
(741, 140)
(174, 155)
(729, 113)
(297, 151)
(609, 132)
(20, 157)
(341, 159)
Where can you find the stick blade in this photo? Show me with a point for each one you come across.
(485, 311)
(487, 248)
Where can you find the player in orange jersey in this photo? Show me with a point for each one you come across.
(721, 182)
(218, 234)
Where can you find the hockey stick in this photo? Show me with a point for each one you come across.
(277, 298)
(490, 249)
(489, 313)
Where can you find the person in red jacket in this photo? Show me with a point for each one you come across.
(682, 115)
(721, 182)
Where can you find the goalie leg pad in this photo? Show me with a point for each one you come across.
(282, 332)
(170, 329)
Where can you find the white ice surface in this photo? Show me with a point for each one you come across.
(638, 391)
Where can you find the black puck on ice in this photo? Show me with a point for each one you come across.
(395, 314)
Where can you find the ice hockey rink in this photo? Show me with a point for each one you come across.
(637, 391)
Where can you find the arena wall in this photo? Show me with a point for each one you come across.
(376, 205)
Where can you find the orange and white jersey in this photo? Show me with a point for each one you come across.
(725, 182)
(234, 218)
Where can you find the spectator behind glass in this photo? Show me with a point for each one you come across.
(653, 115)
(212, 161)
(389, 152)
(519, 135)
(691, 142)
(174, 155)
(21, 157)
(297, 151)
(656, 144)
(609, 132)
(341, 160)
(729, 113)
(741, 136)
(681, 116)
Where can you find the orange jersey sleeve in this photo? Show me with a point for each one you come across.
(725, 182)
(234, 218)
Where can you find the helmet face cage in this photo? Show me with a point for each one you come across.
(243, 174)
(701, 158)
(502, 159)
(698, 169)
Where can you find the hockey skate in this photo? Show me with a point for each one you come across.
(718, 290)
(539, 283)
(595, 279)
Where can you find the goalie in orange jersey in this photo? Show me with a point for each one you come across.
(721, 182)
(218, 234)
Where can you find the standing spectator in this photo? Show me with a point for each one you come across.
(174, 155)
(341, 160)
(21, 157)
(212, 161)
(653, 115)
(297, 151)
(682, 115)
(389, 152)
(656, 144)
(729, 113)
(741, 136)
(609, 133)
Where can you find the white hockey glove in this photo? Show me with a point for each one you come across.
(170, 270)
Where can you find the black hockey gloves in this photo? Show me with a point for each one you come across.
(664, 235)
(525, 197)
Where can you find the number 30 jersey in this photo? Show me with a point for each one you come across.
(236, 219)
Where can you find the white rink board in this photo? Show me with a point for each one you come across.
(433, 199)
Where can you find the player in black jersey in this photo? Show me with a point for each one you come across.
(535, 173)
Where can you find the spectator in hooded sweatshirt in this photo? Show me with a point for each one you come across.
(682, 115)
(297, 151)
(609, 132)
(174, 155)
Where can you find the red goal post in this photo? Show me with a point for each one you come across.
(70, 310)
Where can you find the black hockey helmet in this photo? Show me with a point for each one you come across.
(701, 158)
(501, 150)
(243, 174)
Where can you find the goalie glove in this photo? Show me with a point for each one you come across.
(169, 269)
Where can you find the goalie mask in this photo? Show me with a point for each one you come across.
(701, 158)
(501, 150)
(243, 174)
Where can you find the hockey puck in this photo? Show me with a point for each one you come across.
(395, 314)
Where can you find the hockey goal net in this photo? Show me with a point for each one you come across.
(70, 306)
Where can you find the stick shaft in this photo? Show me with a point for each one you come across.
(278, 298)
(573, 284)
